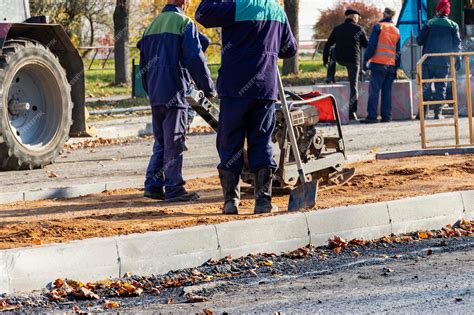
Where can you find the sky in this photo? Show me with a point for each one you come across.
(309, 12)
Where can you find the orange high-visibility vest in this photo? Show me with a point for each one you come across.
(386, 52)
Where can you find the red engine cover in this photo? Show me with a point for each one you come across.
(325, 106)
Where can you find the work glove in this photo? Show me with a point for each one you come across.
(365, 67)
(212, 95)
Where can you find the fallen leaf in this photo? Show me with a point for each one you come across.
(422, 235)
(58, 283)
(429, 252)
(86, 294)
(337, 250)
(252, 272)
(207, 312)
(111, 304)
(193, 298)
(52, 174)
(268, 263)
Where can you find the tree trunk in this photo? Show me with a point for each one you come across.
(122, 54)
(291, 65)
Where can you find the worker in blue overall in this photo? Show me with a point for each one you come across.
(254, 35)
(171, 54)
(439, 35)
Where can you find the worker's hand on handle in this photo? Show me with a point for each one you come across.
(212, 95)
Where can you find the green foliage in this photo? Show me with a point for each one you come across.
(72, 14)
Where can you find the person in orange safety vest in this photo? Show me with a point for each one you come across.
(383, 59)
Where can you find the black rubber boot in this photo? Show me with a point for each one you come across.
(263, 191)
(159, 195)
(230, 183)
(186, 197)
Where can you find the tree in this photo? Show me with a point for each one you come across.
(332, 17)
(291, 65)
(122, 41)
(73, 13)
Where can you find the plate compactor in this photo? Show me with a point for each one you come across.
(322, 149)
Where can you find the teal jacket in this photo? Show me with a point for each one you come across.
(440, 35)
(255, 33)
(171, 55)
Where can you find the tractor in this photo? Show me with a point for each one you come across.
(42, 89)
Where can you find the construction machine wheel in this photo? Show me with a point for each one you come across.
(35, 108)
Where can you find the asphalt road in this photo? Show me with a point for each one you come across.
(128, 162)
(413, 283)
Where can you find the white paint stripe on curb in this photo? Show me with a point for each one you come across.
(158, 252)
(369, 221)
(426, 212)
(468, 200)
(273, 234)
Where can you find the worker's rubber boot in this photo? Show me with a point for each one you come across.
(263, 191)
(230, 183)
(155, 195)
(185, 197)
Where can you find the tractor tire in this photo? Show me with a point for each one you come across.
(36, 106)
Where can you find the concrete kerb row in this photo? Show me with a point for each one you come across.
(425, 213)
(158, 252)
(66, 192)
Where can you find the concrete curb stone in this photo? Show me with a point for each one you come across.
(426, 152)
(11, 197)
(124, 185)
(363, 221)
(468, 200)
(64, 193)
(158, 252)
(87, 260)
(273, 234)
(426, 212)
(4, 280)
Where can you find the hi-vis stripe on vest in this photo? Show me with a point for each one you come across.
(386, 52)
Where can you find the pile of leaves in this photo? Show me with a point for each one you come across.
(96, 143)
(460, 229)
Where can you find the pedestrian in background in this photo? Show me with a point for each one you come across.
(349, 38)
(332, 64)
(439, 35)
(171, 56)
(254, 35)
(382, 57)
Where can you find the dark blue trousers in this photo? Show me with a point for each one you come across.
(249, 119)
(165, 167)
(435, 72)
(381, 79)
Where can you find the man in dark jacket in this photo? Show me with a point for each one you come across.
(254, 34)
(439, 35)
(349, 38)
(171, 54)
(383, 54)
